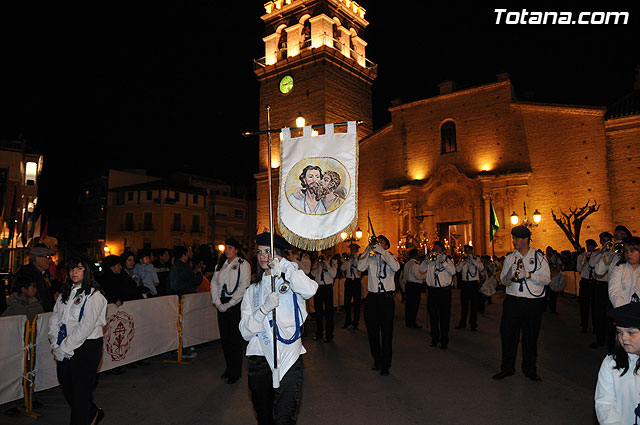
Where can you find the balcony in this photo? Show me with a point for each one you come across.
(129, 227)
(147, 227)
(196, 229)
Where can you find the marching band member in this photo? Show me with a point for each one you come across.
(586, 284)
(600, 261)
(324, 272)
(275, 393)
(379, 305)
(471, 268)
(413, 289)
(75, 332)
(527, 272)
(624, 284)
(440, 269)
(229, 283)
(352, 287)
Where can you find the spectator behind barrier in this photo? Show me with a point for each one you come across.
(23, 301)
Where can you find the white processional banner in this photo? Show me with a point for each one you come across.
(11, 357)
(318, 196)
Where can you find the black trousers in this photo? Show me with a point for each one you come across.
(605, 331)
(586, 303)
(323, 303)
(274, 405)
(231, 340)
(77, 377)
(520, 315)
(550, 300)
(439, 310)
(413, 293)
(352, 291)
(469, 302)
(379, 309)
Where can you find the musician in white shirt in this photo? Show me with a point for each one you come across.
(379, 305)
(352, 287)
(526, 272)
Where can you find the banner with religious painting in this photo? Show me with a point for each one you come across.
(318, 195)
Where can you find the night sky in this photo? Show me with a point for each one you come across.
(170, 87)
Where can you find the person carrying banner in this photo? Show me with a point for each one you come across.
(275, 392)
(230, 281)
(379, 305)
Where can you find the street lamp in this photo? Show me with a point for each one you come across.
(300, 121)
(537, 218)
(351, 237)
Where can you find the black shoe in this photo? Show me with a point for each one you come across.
(99, 416)
(346, 325)
(384, 372)
(474, 329)
(460, 326)
(327, 339)
(534, 377)
(355, 326)
(443, 347)
(502, 375)
(433, 344)
(225, 375)
(233, 380)
(375, 367)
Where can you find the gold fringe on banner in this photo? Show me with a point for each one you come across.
(330, 241)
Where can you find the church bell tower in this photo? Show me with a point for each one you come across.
(315, 67)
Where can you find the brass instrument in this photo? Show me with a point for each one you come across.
(346, 256)
(608, 245)
(433, 256)
(516, 273)
(464, 257)
(320, 258)
(618, 248)
(373, 239)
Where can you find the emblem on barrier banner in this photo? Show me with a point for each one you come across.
(118, 335)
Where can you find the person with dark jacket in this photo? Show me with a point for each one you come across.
(22, 301)
(118, 286)
(36, 271)
(182, 278)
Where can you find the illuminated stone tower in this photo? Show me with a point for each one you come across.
(315, 67)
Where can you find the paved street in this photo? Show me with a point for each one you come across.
(427, 385)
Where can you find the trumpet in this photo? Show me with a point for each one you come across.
(433, 256)
(373, 239)
(516, 273)
(321, 258)
(346, 256)
(618, 248)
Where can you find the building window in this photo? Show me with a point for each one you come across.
(177, 196)
(195, 224)
(128, 222)
(195, 199)
(149, 195)
(120, 198)
(177, 222)
(448, 137)
(238, 213)
(148, 221)
(130, 196)
(220, 212)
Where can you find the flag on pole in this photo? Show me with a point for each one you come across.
(318, 195)
(494, 225)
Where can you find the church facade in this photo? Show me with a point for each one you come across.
(433, 171)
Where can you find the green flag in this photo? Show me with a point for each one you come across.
(494, 225)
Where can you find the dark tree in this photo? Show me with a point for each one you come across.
(571, 223)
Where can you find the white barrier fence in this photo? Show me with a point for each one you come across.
(11, 357)
(137, 330)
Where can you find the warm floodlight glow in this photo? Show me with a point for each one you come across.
(537, 217)
(358, 233)
(300, 121)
